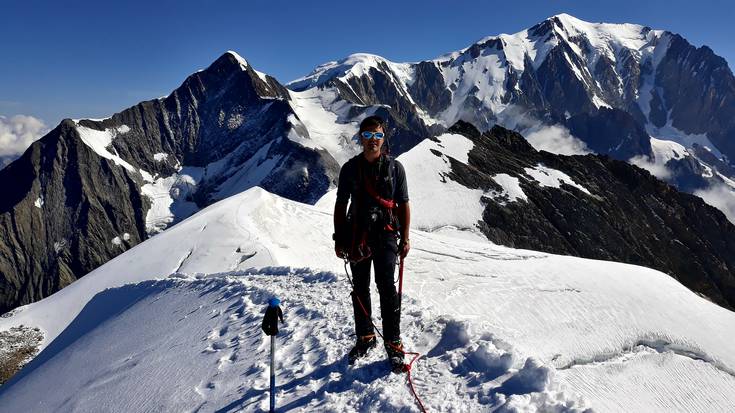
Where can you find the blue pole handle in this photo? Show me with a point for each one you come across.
(272, 314)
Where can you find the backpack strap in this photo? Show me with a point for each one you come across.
(387, 177)
(392, 175)
(385, 202)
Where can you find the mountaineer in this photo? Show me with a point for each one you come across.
(374, 231)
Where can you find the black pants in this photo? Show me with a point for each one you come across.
(384, 248)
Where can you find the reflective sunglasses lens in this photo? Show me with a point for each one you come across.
(372, 135)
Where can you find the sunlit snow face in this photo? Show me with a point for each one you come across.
(372, 146)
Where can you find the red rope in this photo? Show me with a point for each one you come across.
(415, 355)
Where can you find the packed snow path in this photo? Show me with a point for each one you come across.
(202, 336)
(499, 327)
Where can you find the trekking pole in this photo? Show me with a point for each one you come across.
(400, 285)
(273, 374)
(270, 326)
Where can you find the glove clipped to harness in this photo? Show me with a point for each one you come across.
(272, 314)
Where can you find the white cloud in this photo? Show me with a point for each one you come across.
(721, 197)
(556, 139)
(657, 169)
(551, 138)
(17, 133)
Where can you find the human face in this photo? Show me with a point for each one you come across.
(372, 147)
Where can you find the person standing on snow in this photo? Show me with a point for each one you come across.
(379, 216)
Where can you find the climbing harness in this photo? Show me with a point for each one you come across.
(364, 219)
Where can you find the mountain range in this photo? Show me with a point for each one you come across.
(622, 93)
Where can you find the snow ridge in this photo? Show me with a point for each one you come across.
(501, 329)
(214, 320)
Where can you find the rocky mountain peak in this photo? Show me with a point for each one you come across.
(230, 59)
(231, 70)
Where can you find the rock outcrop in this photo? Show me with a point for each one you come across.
(628, 216)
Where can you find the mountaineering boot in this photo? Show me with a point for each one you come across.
(364, 343)
(395, 356)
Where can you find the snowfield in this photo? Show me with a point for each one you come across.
(174, 325)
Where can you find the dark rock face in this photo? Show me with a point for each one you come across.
(710, 159)
(62, 207)
(699, 90)
(611, 131)
(210, 115)
(629, 217)
(687, 174)
(66, 209)
(428, 88)
(302, 175)
(526, 91)
(564, 91)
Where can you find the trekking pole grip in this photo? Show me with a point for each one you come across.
(270, 326)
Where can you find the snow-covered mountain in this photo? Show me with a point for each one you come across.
(174, 323)
(571, 86)
(92, 189)
(557, 69)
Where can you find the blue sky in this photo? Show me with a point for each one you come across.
(91, 59)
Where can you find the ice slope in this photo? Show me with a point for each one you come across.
(501, 328)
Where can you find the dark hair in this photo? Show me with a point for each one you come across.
(372, 122)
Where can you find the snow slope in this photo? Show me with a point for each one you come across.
(500, 328)
(326, 120)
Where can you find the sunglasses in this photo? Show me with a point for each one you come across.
(371, 135)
